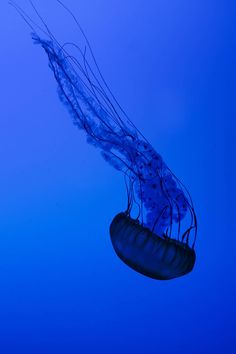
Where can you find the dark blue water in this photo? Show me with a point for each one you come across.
(63, 290)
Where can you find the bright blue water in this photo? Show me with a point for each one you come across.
(63, 290)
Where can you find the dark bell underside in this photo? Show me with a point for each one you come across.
(148, 253)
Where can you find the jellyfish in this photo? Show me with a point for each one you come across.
(155, 234)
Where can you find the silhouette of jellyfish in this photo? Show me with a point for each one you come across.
(159, 242)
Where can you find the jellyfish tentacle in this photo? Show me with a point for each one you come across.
(160, 197)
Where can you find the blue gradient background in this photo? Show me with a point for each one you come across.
(171, 65)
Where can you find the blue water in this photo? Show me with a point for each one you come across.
(63, 290)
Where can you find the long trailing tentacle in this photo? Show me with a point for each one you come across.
(163, 200)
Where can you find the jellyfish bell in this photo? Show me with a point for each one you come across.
(147, 253)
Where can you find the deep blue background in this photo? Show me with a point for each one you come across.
(171, 65)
